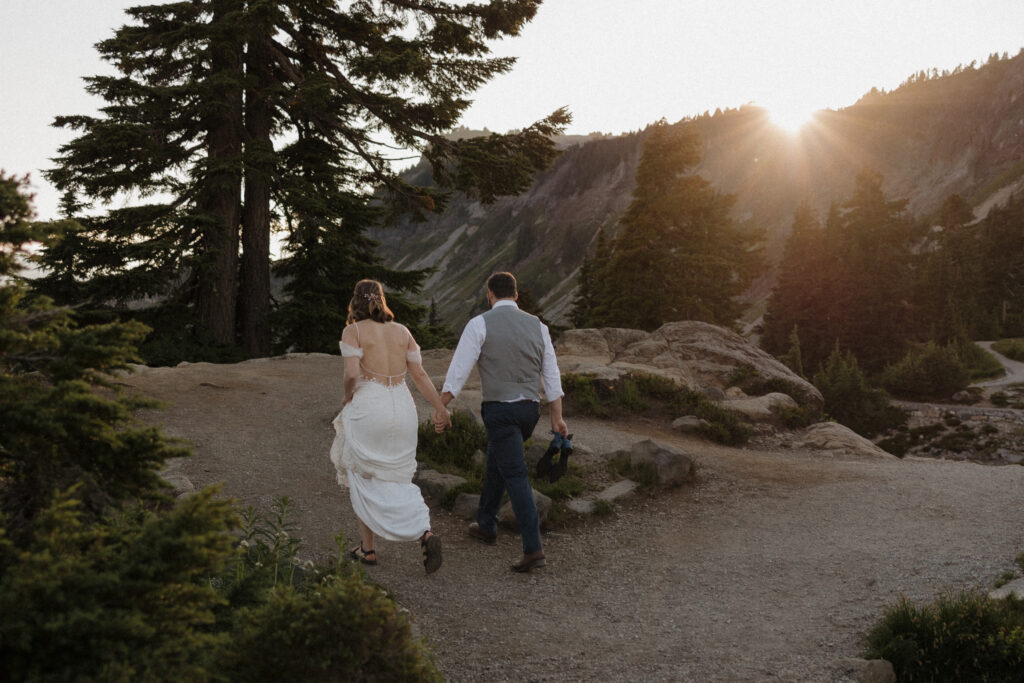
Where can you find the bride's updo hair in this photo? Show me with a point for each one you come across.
(368, 302)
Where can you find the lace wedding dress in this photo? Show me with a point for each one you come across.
(374, 453)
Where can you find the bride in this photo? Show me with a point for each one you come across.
(374, 450)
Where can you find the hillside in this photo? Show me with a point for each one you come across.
(935, 135)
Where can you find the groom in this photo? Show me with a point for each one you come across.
(514, 354)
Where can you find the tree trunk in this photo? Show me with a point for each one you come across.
(254, 292)
(218, 267)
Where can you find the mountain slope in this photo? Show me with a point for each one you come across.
(934, 136)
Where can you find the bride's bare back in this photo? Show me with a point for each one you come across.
(385, 347)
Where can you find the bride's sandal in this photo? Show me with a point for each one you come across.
(364, 556)
(431, 546)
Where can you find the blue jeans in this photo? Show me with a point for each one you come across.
(508, 426)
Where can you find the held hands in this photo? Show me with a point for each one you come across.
(442, 419)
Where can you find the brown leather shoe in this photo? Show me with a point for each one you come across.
(534, 560)
(476, 532)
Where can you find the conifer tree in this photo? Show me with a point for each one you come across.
(224, 117)
(678, 254)
(588, 283)
(873, 286)
(803, 295)
(56, 429)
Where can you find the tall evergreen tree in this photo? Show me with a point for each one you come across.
(588, 282)
(874, 318)
(803, 295)
(850, 283)
(226, 113)
(678, 254)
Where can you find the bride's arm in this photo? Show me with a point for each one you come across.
(351, 366)
(442, 418)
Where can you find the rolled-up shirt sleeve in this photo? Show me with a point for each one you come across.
(466, 354)
(551, 378)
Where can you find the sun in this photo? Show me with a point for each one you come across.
(790, 116)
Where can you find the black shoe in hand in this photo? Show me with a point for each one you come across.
(559, 469)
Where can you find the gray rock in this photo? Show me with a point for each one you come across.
(434, 485)
(713, 393)
(1015, 588)
(963, 397)
(689, 423)
(619, 489)
(1009, 456)
(583, 506)
(671, 466)
(466, 505)
(868, 670)
(765, 408)
(835, 438)
(479, 458)
(181, 484)
(506, 517)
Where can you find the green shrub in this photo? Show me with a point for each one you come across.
(980, 363)
(344, 630)
(927, 372)
(851, 401)
(102, 576)
(999, 398)
(1011, 348)
(119, 599)
(644, 474)
(962, 637)
(452, 450)
(642, 393)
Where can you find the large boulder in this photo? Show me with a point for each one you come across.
(669, 465)
(696, 355)
(834, 438)
(435, 485)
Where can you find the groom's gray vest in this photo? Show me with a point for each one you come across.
(512, 355)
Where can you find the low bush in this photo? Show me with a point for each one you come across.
(960, 637)
(927, 372)
(452, 450)
(1011, 348)
(851, 401)
(641, 393)
(980, 363)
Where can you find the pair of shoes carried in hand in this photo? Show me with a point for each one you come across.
(554, 471)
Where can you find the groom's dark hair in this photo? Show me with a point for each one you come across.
(502, 285)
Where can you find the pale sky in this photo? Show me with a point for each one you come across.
(618, 65)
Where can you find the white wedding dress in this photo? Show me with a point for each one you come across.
(374, 453)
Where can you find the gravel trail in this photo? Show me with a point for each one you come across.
(770, 566)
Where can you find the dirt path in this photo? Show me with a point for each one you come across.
(1014, 369)
(770, 567)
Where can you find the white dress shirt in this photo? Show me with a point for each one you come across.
(468, 351)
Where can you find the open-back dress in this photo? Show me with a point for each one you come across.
(374, 452)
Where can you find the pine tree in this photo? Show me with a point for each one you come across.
(803, 296)
(56, 429)
(101, 578)
(227, 115)
(678, 254)
(873, 282)
(588, 283)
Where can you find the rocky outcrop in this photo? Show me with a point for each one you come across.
(668, 465)
(697, 355)
(836, 439)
